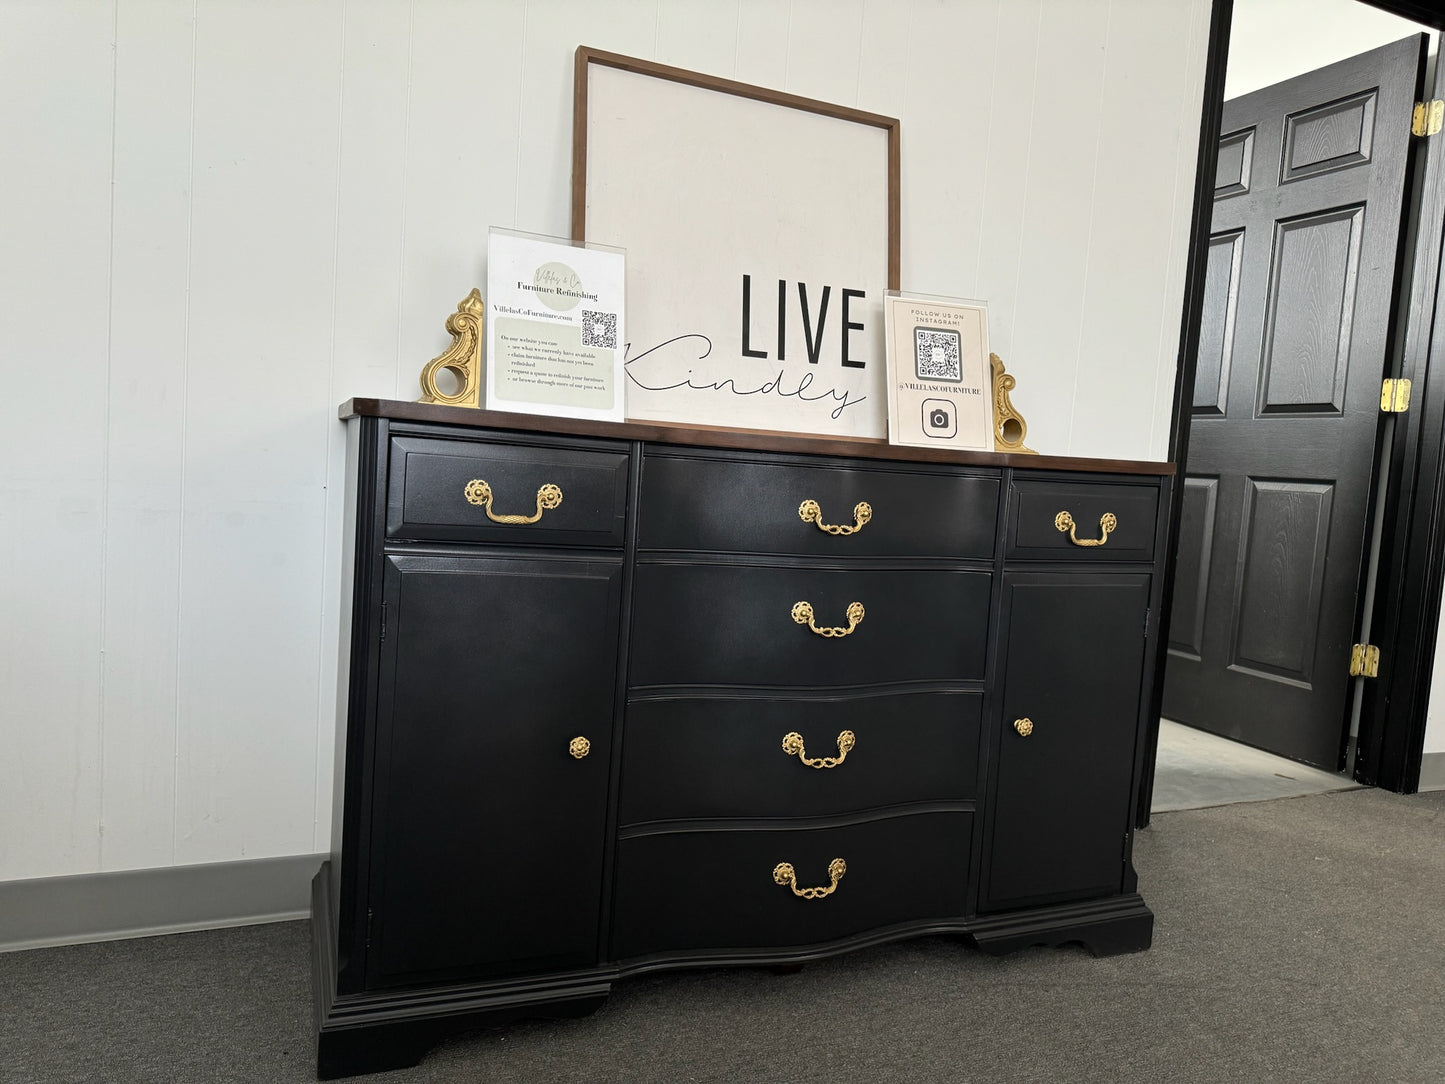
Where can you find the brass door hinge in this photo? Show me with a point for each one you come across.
(1364, 661)
(1428, 119)
(1395, 396)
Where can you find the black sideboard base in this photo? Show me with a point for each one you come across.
(1106, 927)
(375, 1032)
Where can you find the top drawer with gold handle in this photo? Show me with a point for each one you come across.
(1082, 521)
(471, 491)
(703, 502)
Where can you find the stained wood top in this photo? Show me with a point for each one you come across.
(711, 436)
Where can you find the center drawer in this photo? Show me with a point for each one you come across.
(724, 757)
(729, 505)
(741, 624)
(719, 890)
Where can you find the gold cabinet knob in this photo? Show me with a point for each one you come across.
(1107, 522)
(784, 874)
(810, 512)
(579, 747)
(479, 493)
(1025, 727)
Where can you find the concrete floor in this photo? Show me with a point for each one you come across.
(1196, 769)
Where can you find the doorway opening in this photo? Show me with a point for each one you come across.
(1304, 305)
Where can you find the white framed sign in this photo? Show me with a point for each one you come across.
(555, 327)
(761, 232)
(940, 392)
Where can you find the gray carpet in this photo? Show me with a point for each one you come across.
(1296, 940)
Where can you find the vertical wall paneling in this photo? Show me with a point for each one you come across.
(544, 155)
(465, 85)
(57, 88)
(1057, 231)
(823, 48)
(263, 246)
(951, 70)
(700, 35)
(1119, 339)
(1195, 51)
(1004, 160)
(149, 323)
(223, 218)
(887, 35)
(365, 310)
(762, 42)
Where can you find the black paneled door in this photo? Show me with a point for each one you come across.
(1297, 311)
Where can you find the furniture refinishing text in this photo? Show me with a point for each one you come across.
(624, 697)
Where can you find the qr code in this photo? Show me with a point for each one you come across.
(599, 329)
(936, 354)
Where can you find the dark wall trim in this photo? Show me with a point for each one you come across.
(1205, 162)
(1412, 562)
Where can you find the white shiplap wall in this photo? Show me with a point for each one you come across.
(221, 218)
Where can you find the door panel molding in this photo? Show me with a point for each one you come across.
(1278, 596)
(1236, 156)
(1337, 135)
(1310, 311)
(1216, 336)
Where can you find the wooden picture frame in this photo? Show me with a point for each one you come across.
(762, 232)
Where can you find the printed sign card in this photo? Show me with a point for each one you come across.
(555, 329)
(939, 392)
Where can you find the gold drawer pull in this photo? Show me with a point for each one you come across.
(784, 874)
(1107, 522)
(810, 512)
(793, 746)
(480, 493)
(803, 615)
(1025, 727)
(579, 747)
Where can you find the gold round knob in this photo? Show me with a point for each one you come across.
(579, 747)
(1025, 727)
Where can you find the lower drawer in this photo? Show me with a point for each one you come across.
(718, 889)
(722, 757)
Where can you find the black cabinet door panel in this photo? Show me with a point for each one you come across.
(716, 889)
(723, 624)
(1075, 653)
(746, 506)
(724, 757)
(488, 853)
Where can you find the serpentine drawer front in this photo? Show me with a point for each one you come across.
(619, 698)
(721, 889)
(465, 491)
(736, 624)
(703, 503)
(1077, 521)
(731, 757)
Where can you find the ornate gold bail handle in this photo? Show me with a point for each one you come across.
(784, 874)
(479, 493)
(810, 512)
(803, 615)
(793, 746)
(1107, 522)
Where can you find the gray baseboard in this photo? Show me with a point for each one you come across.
(1432, 771)
(140, 903)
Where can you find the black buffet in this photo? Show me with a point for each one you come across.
(617, 698)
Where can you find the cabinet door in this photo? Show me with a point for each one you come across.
(489, 832)
(1074, 654)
